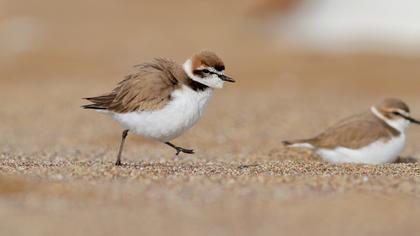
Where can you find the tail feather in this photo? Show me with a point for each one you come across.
(100, 102)
(93, 106)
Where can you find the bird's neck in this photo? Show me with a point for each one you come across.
(189, 81)
(194, 85)
(398, 124)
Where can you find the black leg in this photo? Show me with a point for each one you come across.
(124, 135)
(180, 149)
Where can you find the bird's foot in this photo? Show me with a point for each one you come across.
(183, 150)
(180, 149)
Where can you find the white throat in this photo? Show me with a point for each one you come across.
(399, 124)
(213, 81)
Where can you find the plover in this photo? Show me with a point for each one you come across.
(373, 137)
(163, 99)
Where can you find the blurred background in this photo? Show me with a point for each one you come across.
(292, 58)
(45, 39)
(300, 66)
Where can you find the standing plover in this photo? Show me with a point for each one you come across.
(373, 137)
(162, 99)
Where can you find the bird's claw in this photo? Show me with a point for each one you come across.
(184, 150)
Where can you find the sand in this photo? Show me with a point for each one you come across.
(56, 160)
(77, 193)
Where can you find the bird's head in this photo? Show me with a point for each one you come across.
(207, 68)
(395, 112)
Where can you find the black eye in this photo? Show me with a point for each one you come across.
(396, 113)
(205, 71)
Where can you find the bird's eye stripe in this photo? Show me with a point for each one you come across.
(201, 72)
(210, 72)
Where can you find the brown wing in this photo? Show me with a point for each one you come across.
(148, 89)
(354, 132)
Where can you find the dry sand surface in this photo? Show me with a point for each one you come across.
(56, 160)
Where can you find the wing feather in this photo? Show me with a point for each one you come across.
(355, 132)
(149, 88)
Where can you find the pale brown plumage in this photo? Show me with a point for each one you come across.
(147, 89)
(354, 132)
(359, 130)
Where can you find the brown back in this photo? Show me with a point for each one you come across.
(147, 89)
(354, 132)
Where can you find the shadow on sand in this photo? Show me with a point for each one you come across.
(407, 160)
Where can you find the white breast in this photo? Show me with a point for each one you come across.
(379, 152)
(180, 114)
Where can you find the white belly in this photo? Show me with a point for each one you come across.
(180, 114)
(379, 152)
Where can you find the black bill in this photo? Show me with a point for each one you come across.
(226, 78)
(412, 120)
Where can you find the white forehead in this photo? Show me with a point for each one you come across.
(402, 111)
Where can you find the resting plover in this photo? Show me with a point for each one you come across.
(162, 99)
(373, 137)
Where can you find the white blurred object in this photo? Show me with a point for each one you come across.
(19, 34)
(352, 24)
